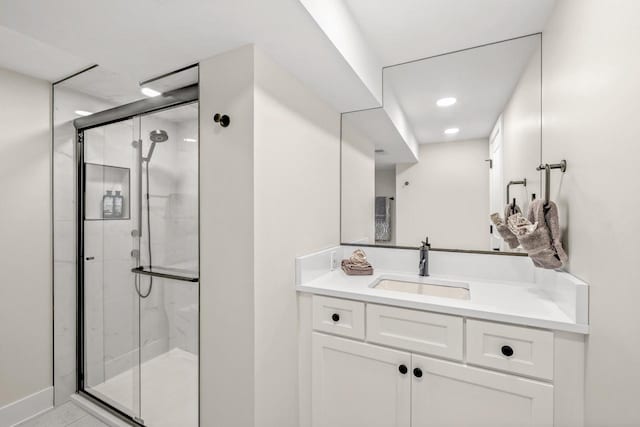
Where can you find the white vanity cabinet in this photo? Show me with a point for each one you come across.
(413, 368)
(358, 384)
(448, 394)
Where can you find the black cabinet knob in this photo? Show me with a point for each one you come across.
(417, 372)
(507, 350)
(403, 369)
(335, 317)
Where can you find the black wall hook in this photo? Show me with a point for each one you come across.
(223, 119)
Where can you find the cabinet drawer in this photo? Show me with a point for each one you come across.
(510, 348)
(338, 316)
(418, 331)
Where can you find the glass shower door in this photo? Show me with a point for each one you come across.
(111, 308)
(139, 238)
(169, 308)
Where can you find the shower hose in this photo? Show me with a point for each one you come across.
(138, 276)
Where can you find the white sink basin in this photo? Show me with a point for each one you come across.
(424, 286)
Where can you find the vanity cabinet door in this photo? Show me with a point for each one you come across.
(447, 394)
(359, 385)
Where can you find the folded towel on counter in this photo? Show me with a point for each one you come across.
(504, 231)
(357, 264)
(539, 234)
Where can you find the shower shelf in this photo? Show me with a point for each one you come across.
(167, 273)
(100, 178)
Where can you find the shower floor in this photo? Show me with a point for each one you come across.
(169, 390)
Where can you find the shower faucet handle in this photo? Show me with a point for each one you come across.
(135, 253)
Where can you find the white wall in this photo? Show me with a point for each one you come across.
(269, 192)
(296, 196)
(521, 134)
(25, 248)
(358, 186)
(591, 69)
(447, 197)
(226, 241)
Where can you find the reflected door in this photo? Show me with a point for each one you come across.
(496, 188)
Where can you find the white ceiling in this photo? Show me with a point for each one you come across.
(144, 38)
(141, 39)
(404, 30)
(34, 58)
(482, 79)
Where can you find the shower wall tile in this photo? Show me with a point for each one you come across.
(64, 267)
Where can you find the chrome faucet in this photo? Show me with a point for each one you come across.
(424, 257)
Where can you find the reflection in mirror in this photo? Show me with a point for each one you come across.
(436, 159)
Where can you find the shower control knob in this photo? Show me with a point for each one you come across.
(135, 233)
(135, 253)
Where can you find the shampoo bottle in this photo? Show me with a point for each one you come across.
(107, 205)
(118, 204)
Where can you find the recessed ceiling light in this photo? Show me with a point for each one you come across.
(83, 113)
(451, 131)
(190, 140)
(446, 102)
(147, 91)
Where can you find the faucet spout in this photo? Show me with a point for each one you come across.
(423, 267)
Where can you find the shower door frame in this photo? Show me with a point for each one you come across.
(169, 100)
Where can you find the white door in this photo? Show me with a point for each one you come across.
(359, 385)
(452, 395)
(496, 183)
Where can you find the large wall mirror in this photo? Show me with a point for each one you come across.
(455, 134)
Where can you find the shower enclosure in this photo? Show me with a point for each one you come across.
(138, 263)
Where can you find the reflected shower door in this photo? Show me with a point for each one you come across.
(111, 307)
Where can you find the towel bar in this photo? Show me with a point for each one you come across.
(522, 182)
(547, 176)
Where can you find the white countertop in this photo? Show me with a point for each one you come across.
(503, 301)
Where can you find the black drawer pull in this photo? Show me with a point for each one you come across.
(403, 369)
(507, 350)
(335, 317)
(417, 372)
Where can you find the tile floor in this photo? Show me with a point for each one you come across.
(67, 415)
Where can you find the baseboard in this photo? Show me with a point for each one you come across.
(27, 407)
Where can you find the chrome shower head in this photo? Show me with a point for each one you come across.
(158, 135)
